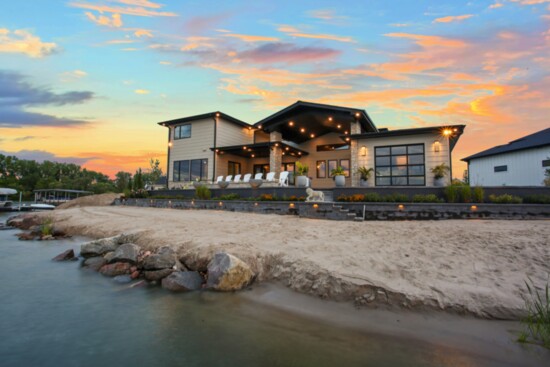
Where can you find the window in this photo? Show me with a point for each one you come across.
(182, 131)
(321, 169)
(400, 165)
(332, 147)
(191, 170)
(546, 163)
(332, 164)
(233, 168)
(344, 163)
(501, 168)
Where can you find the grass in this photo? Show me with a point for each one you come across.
(537, 321)
(46, 228)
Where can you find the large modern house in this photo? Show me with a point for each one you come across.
(324, 137)
(521, 162)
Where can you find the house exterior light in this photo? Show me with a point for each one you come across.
(170, 144)
(291, 123)
(447, 132)
(437, 146)
(330, 118)
(312, 136)
(363, 151)
(302, 130)
(339, 126)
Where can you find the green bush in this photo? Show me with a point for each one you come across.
(396, 198)
(478, 194)
(537, 320)
(429, 198)
(372, 197)
(505, 199)
(46, 229)
(229, 197)
(537, 199)
(465, 194)
(451, 194)
(202, 192)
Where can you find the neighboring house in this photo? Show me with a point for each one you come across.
(521, 162)
(322, 136)
(158, 185)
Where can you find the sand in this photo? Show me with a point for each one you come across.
(476, 267)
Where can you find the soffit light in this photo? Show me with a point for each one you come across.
(302, 130)
(291, 123)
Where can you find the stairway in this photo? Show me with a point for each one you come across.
(346, 214)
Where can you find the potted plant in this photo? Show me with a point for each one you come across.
(439, 172)
(339, 176)
(365, 173)
(301, 174)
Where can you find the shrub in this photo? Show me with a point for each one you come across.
(478, 194)
(372, 197)
(429, 198)
(202, 192)
(451, 194)
(537, 320)
(395, 198)
(267, 197)
(229, 197)
(537, 199)
(465, 194)
(46, 228)
(505, 199)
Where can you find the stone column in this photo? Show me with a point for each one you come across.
(275, 153)
(355, 128)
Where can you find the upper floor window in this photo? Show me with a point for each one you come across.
(182, 131)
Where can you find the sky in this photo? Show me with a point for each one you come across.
(86, 81)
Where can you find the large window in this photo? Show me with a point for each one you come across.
(233, 168)
(191, 170)
(321, 169)
(344, 163)
(182, 131)
(400, 165)
(332, 164)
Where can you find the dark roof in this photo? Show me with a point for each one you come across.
(317, 119)
(457, 130)
(204, 116)
(538, 139)
(260, 150)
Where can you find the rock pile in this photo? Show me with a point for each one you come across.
(120, 258)
(36, 227)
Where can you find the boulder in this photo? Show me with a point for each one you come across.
(195, 261)
(154, 275)
(164, 258)
(112, 270)
(109, 256)
(58, 233)
(127, 253)
(99, 247)
(182, 281)
(65, 255)
(123, 279)
(228, 273)
(26, 236)
(94, 263)
(24, 221)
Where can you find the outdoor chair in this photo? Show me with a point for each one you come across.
(237, 179)
(246, 177)
(229, 178)
(283, 178)
(270, 177)
(219, 179)
(259, 176)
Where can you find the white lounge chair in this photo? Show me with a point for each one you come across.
(246, 177)
(237, 179)
(283, 178)
(219, 179)
(259, 176)
(229, 178)
(270, 177)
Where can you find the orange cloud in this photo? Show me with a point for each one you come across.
(294, 32)
(137, 11)
(115, 21)
(24, 42)
(429, 41)
(453, 18)
(496, 6)
(144, 3)
(250, 38)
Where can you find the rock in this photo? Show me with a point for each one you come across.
(64, 256)
(109, 256)
(164, 258)
(26, 236)
(112, 270)
(122, 279)
(58, 233)
(24, 221)
(99, 247)
(47, 237)
(127, 253)
(194, 261)
(154, 275)
(135, 274)
(228, 273)
(94, 263)
(181, 281)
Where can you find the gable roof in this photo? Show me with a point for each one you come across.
(536, 140)
(226, 117)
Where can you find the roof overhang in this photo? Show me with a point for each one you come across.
(303, 121)
(452, 132)
(260, 150)
(222, 115)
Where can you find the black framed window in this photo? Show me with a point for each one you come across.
(546, 163)
(191, 170)
(261, 168)
(501, 168)
(182, 131)
(332, 164)
(321, 169)
(400, 165)
(233, 168)
(344, 163)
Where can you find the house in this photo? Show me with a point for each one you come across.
(521, 162)
(324, 137)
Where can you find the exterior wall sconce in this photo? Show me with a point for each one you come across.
(170, 144)
(437, 146)
(363, 151)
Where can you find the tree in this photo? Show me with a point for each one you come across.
(153, 173)
(121, 180)
(138, 180)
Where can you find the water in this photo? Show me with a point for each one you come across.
(56, 314)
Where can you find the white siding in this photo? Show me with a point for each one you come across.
(524, 168)
(432, 158)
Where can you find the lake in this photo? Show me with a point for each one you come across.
(57, 314)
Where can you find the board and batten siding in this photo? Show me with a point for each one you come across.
(524, 168)
(195, 147)
(432, 158)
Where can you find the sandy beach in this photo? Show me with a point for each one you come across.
(477, 267)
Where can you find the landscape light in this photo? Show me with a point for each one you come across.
(291, 205)
(220, 203)
(400, 207)
(473, 208)
(315, 206)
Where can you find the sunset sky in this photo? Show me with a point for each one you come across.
(87, 81)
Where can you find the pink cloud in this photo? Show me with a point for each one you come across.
(288, 53)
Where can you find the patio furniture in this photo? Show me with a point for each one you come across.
(270, 177)
(283, 178)
(237, 179)
(219, 179)
(229, 178)
(246, 177)
(259, 176)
